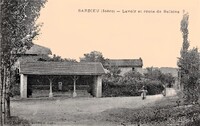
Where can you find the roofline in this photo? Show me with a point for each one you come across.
(63, 74)
(50, 52)
(124, 65)
(125, 59)
(24, 62)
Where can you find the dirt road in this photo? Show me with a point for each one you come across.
(76, 111)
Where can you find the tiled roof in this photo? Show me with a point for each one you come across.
(60, 68)
(125, 62)
(37, 49)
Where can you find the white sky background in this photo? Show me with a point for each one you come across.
(156, 38)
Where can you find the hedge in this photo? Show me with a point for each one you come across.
(113, 89)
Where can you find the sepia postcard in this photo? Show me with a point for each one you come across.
(108, 63)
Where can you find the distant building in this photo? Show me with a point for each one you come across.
(125, 65)
(35, 53)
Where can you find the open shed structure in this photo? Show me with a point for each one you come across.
(60, 76)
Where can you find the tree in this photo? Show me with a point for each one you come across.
(188, 64)
(167, 79)
(18, 29)
(184, 30)
(184, 49)
(153, 73)
(57, 58)
(93, 56)
(114, 71)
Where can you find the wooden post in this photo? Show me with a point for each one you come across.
(74, 93)
(75, 78)
(23, 86)
(97, 88)
(51, 78)
(50, 92)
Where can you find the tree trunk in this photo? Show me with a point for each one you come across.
(8, 94)
(1, 99)
(4, 94)
(1, 96)
(1, 84)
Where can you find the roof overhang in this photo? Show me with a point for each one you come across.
(60, 68)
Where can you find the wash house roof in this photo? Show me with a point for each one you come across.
(125, 62)
(60, 68)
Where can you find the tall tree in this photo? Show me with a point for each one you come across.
(189, 66)
(185, 32)
(18, 29)
(185, 46)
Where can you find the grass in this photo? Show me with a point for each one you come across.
(16, 121)
(163, 112)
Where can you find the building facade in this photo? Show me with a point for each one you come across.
(125, 65)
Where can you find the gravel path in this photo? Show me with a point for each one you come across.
(75, 111)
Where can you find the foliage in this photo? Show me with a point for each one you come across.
(57, 58)
(18, 26)
(161, 113)
(93, 56)
(14, 120)
(156, 75)
(190, 77)
(153, 86)
(184, 30)
(153, 73)
(189, 66)
(113, 72)
(18, 29)
(167, 79)
(15, 90)
(129, 85)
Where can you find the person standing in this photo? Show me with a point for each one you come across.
(144, 92)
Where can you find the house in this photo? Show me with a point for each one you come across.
(35, 53)
(125, 65)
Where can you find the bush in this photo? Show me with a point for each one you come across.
(124, 86)
(14, 120)
(193, 123)
(15, 89)
(111, 90)
(154, 87)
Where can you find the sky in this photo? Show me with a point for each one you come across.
(70, 30)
